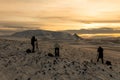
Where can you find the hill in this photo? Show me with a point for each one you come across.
(43, 34)
(74, 63)
(77, 37)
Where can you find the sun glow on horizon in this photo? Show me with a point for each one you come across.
(59, 15)
(99, 35)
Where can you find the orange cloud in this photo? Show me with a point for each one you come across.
(61, 15)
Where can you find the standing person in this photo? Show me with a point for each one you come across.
(33, 40)
(57, 52)
(100, 54)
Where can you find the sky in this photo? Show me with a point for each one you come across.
(55, 15)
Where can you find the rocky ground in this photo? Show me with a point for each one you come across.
(74, 63)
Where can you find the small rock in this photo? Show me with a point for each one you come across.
(103, 70)
(73, 63)
(85, 69)
(28, 51)
(110, 67)
(29, 79)
(110, 75)
(45, 66)
(16, 79)
(64, 66)
(94, 63)
(108, 63)
(50, 55)
(83, 72)
(53, 68)
(73, 73)
(43, 73)
(50, 65)
(55, 79)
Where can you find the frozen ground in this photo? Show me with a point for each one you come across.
(77, 61)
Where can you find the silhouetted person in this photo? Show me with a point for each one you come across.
(100, 54)
(57, 47)
(33, 40)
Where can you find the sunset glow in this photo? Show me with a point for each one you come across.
(99, 35)
(57, 15)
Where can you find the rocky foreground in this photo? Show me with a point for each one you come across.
(73, 64)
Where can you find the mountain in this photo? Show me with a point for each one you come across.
(43, 34)
(77, 37)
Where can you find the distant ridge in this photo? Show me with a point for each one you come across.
(43, 34)
(77, 37)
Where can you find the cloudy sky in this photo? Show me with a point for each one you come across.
(16, 15)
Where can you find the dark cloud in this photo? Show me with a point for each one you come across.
(7, 28)
(7, 32)
(95, 31)
(20, 25)
(14, 26)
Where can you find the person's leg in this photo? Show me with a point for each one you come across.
(33, 50)
(55, 52)
(32, 47)
(102, 60)
(58, 52)
(97, 59)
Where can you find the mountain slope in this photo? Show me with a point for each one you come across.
(77, 37)
(73, 64)
(43, 34)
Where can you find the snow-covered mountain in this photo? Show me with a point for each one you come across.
(77, 37)
(43, 34)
